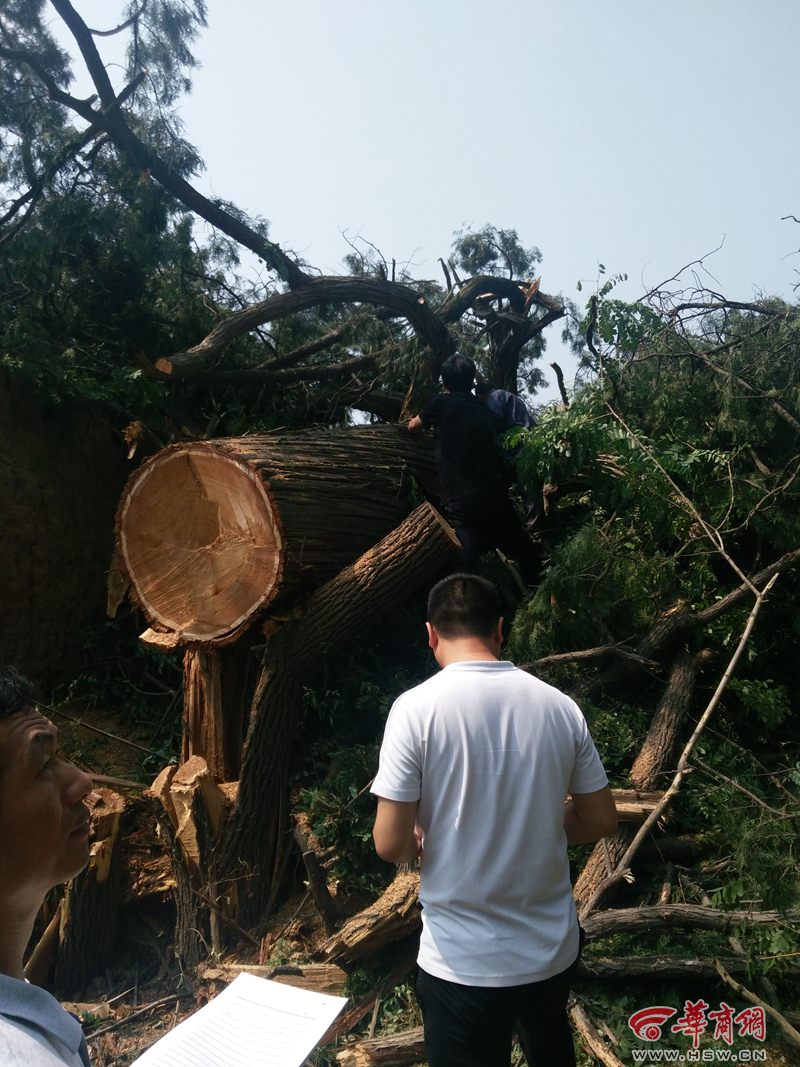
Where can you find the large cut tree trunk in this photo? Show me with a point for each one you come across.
(210, 531)
(411, 556)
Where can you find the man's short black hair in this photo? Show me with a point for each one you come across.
(484, 388)
(16, 691)
(463, 605)
(458, 374)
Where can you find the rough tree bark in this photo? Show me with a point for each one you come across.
(391, 1050)
(411, 556)
(652, 760)
(90, 908)
(678, 917)
(395, 914)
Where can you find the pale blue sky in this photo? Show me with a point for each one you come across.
(636, 133)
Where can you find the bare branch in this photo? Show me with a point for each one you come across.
(775, 404)
(720, 305)
(400, 299)
(683, 763)
(123, 25)
(674, 278)
(327, 340)
(321, 372)
(791, 1036)
(588, 654)
(713, 773)
(713, 535)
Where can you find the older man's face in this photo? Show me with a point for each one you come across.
(44, 824)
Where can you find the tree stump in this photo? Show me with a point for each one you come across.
(90, 908)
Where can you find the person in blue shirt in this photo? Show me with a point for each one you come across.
(509, 409)
(510, 413)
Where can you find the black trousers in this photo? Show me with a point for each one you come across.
(482, 526)
(471, 1026)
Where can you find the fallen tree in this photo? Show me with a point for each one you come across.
(209, 533)
(246, 857)
(409, 558)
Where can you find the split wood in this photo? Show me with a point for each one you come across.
(590, 1037)
(391, 1050)
(43, 955)
(623, 866)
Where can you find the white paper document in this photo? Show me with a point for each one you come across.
(253, 1023)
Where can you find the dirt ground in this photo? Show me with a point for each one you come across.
(144, 994)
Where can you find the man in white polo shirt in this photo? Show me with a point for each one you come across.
(44, 840)
(475, 767)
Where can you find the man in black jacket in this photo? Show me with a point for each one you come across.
(475, 498)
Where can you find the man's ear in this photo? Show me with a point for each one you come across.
(498, 631)
(433, 637)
